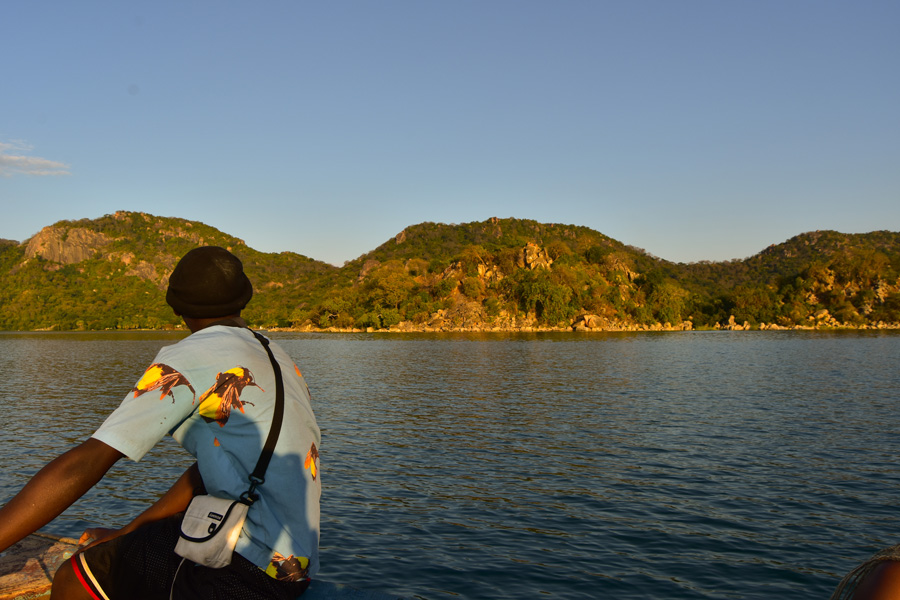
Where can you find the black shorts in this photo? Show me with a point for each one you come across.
(143, 565)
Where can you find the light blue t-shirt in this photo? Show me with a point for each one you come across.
(214, 392)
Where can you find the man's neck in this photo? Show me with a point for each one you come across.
(196, 325)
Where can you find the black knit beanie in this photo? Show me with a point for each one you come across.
(208, 282)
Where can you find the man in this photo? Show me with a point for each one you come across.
(214, 392)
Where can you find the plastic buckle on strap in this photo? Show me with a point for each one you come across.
(249, 497)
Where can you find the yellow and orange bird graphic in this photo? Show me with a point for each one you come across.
(288, 568)
(161, 377)
(312, 461)
(225, 394)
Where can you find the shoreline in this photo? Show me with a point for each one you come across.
(626, 329)
(580, 326)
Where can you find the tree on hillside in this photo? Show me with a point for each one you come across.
(537, 293)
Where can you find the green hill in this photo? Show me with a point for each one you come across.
(852, 276)
(111, 272)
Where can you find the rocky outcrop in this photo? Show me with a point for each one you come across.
(489, 273)
(732, 325)
(369, 266)
(65, 246)
(589, 322)
(614, 263)
(144, 270)
(534, 257)
(156, 270)
(823, 318)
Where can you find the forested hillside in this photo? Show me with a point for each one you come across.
(111, 273)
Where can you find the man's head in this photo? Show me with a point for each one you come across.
(208, 282)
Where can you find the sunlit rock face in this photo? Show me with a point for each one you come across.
(65, 246)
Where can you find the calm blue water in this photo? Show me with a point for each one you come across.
(496, 466)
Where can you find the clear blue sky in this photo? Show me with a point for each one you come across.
(697, 130)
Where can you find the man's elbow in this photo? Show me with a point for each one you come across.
(91, 459)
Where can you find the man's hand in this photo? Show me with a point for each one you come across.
(97, 535)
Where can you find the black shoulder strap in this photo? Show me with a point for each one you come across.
(258, 475)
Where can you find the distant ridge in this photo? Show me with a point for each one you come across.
(498, 274)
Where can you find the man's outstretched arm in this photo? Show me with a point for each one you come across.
(54, 488)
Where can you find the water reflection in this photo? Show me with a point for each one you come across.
(701, 465)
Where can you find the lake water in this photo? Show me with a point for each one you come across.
(694, 465)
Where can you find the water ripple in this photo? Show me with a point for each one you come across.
(694, 466)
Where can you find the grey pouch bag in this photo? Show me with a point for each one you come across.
(210, 530)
